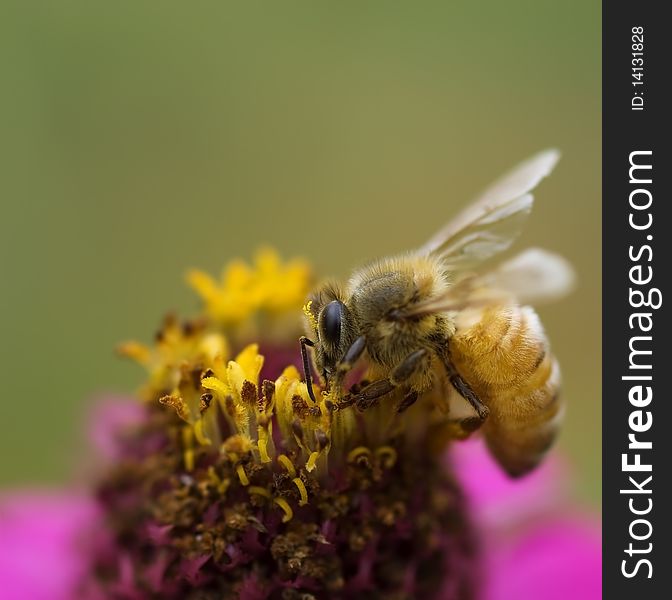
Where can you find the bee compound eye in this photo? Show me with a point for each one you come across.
(332, 316)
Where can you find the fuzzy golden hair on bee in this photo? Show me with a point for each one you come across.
(439, 319)
(428, 274)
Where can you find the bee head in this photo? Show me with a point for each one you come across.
(334, 327)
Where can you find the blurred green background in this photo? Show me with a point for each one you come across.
(143, 138)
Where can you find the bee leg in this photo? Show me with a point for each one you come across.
(304, 341)
(408, 401)
(461, 429)
(400, 374)
(367, 397)
(464, 389)
(469, 425)
(359, 386)
(349, 359)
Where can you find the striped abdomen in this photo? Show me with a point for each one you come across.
(503, 354)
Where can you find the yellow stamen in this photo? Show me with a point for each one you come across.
(286, 508)
(285, 462)
(302, 491)
(200, 434)
(259, 491)
(178, 404)
(188, 443)
(222, 487)
(261, 444)
(312, 461)
(358, 452)
(212, 474)
(189, 461)
(387, 456)
(242, 475)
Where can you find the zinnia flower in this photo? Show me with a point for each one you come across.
(226, 480)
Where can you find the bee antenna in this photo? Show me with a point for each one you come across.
(304, 341)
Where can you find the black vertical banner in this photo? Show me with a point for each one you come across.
(637, 337)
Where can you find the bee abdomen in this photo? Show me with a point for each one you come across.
(505, 358)
(523, 426)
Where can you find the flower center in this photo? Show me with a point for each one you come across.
(237, 487)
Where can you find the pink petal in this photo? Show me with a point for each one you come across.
(39, 536)
(110, 417)
(494, 498)
(557, 560)
(529, 549)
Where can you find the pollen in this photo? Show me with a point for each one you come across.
(312, 321)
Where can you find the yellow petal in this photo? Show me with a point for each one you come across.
(217, 385)
(204, 285)
(251, 362)
(213, 346)
(136, 351)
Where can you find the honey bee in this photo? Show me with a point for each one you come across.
(429, 316)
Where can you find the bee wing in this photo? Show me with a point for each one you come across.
(532, 277)
(491, 223)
